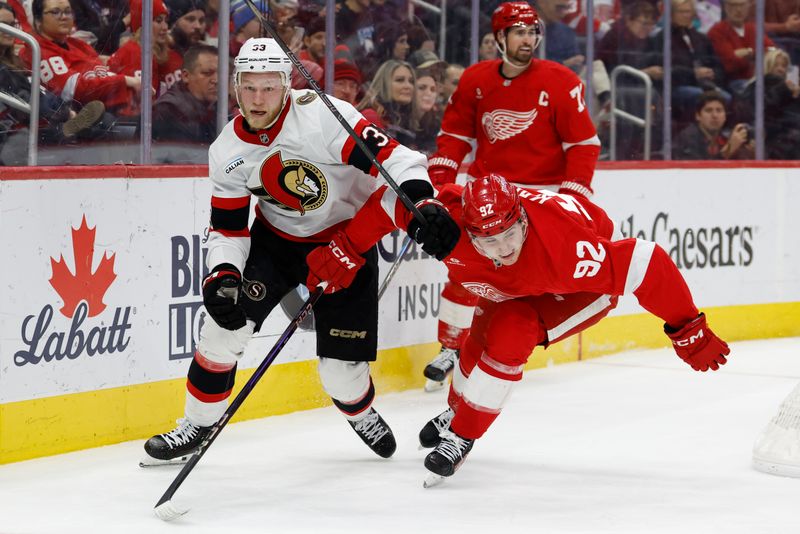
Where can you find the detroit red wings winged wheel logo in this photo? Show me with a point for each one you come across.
(503, 123)
(486, 291)
(83, 284)
(292, 184)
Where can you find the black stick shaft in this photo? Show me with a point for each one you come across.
(395, 265)
(360, 142)
(248, 387)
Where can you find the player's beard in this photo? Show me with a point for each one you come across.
(259, 122)
(520, 58)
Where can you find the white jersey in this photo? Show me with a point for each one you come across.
(309, 177)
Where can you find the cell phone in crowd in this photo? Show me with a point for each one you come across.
(793, 74)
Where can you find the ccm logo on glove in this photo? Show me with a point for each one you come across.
(690, 341)
(697, 345)
(337, 264)
(343, 257)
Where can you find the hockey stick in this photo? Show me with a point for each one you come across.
(395, 265)
(360, 142)
(164, 508)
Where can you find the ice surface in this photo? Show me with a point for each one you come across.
(631, 443)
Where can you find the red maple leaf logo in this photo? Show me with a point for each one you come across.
(84, 284)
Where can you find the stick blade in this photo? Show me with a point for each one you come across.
(167, 511)
(432, 480)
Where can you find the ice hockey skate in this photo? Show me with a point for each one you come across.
(429, 435)
(439, 369)
(374, 431)
(175, 446)
(447, 457)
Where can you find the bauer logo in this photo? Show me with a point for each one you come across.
(186, 312)
(74, 331)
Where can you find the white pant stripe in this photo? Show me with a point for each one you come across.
(603, 302)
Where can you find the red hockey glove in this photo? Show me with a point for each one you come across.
(441, 175)
(337, 263)
(440, 235)
(697, 345)
(221, 296)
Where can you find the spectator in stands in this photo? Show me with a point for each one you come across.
(187, 112)
(488, 49)
(430, 62)
(346, 81)
(71, 68)
(707, 13)
(560, 42)
(782, 22)
(629, 42)
(299, 81)
(314, 42)
(734, 41)
(21, 15)
(355, 29)
(390, 102)
(383, 10)
(187, 18)
(705, 139)
(781, 107)
(428, 118)
(561, 45)
(104, 19)
(284, 13)
(58, 122)
(212, 22)
(128, 59)
(245, 26)
(695, 66)
(391, 41)
(284, 10)
(575, 18)
(452, 75)
(419, 38)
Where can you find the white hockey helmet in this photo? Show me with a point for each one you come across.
(262, 54)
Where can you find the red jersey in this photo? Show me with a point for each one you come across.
(74, 72)
(127, 60)
(535, 127)
(726, 40)
(571, 248)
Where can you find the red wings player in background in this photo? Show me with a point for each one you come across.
(544, 266)
(529, 120)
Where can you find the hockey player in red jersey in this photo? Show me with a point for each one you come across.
(544, 266)
(320, 210)
(528, 118)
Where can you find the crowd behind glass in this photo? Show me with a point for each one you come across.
(397, 62)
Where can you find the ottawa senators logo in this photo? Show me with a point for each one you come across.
(291, 185)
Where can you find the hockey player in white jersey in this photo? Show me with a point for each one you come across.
(320, 210)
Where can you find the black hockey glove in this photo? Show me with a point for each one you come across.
(221, 296)
(441, 233)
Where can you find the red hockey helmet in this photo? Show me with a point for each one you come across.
(510, 14)
(491, 205)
